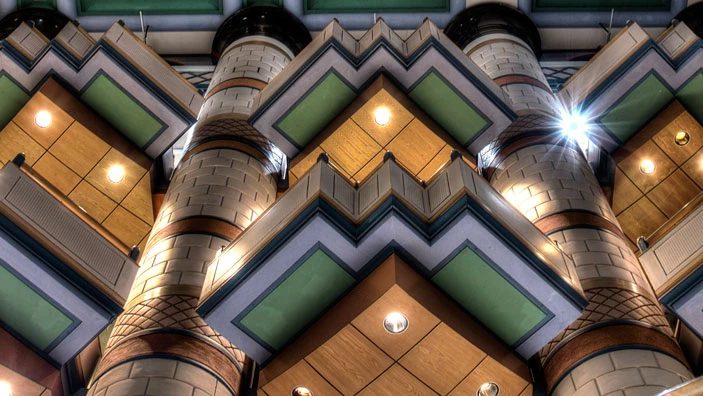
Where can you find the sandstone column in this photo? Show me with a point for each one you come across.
(227, 178)
(622, 340)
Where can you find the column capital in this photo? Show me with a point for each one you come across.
(268, 21)
(492, 18)
(49, 22)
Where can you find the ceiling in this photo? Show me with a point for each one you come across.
(356, 144)
(644, 202)
(358, 356)
(74, 154)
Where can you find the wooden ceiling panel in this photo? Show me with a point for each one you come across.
(349, 361)
(60, 120)
(350, 147)
(641, 219)
(370, 167)
(491, 371)
(126, 226)
(436, 164)
(397, 381)
(405, 146)
(625, 193)
(442, 359)
(666, 138)
(673, 193)
(139, 200)
(116, 191)
(56, 173)
(95, 203)
(300, 374)
(14, 141)
(79, 149)
(370, 322)
(694, 168)
(400, 117)
(664, 166)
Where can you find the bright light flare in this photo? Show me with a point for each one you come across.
(395, 323)
(115, 174)
(574, 125)
(5, 389)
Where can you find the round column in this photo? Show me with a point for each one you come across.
(622, 340)
(159, 344)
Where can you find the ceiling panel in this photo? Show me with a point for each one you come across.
(44, 136)
(14, 140)
(397, 381)
(491, 371)
(370, 322)
(442, 359)
(79, 149)
(300, 374)
(56, 173)
(349, 361)
(673, 193)
(400, 117)
(648, 151)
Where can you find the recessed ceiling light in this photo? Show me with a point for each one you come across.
(116, 173)
(42, 119)
(5, 389)
(682, 138)
(395, 323)
(382, 116)
(488, 389)
(647, 166)
(301, 391)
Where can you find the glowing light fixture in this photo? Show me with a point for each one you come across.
(301, 391)
(488, 389)
(43, 119)
(682, 138)
(395, 323)
(382, 116)
(573, 125)
(647, 166)
(5, 389)
(115, 174)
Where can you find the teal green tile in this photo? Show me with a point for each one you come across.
(300, 298)
(27, 313)
(13, 99)
(447, 108)
(488, 296)
(319, 106)
(644, 102)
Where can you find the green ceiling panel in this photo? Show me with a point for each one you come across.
(13, 98)
(28, 313)
(357, 6)
(488, 296)
(122, 111)
(690, 96)
(37, 3)
(299, 299)
(639, 106)
(154, 7)
(601, 5)
(448, 109)
(273, 3)
(317, 108)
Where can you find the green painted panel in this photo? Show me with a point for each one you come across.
(273, 3)
(319, 106)
(298, 300)
(37, 3)
(637, 108)
(447, 108)
(13, 98)
(28, 313)
(690, 96)
(601, 5)
(355, 6)
(120, 110)
(488, 296)
(154, 7)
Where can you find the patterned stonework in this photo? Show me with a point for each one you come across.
(607, 304)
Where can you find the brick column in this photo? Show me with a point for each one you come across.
(227, 178)
(622, 340)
